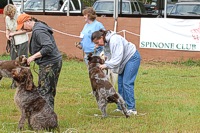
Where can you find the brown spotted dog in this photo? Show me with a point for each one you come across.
(113, 77)
(32, 106)
(103, 90)
(7, 66)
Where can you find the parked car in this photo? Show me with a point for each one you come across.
(53, 6)
(186, 9)
(105, 7)
(169, 8)
(150, 8)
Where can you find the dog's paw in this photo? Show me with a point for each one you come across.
(127, 115)
(20, 126)
(104, 116)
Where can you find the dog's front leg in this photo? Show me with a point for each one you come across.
(29, 119)
(22, 119)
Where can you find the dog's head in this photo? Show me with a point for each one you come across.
(22, 60)
(95, 59)
(23, 75)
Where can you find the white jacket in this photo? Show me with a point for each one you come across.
(118, 51)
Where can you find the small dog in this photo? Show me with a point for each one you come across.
(7, 66)
(32, 106)
(103, 90)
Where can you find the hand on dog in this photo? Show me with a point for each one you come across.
(30, 59)
(102, 66)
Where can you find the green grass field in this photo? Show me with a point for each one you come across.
(167, 98)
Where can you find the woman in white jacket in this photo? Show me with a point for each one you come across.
(124, 59)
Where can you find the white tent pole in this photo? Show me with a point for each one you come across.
(68, 7)
(22, 6)
(115, 14)
(165, 9)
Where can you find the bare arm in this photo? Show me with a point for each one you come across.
(7, 34)
(33, 57)
(17, 32)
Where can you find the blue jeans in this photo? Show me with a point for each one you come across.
(126, 80)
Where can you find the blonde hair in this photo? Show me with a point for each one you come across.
(9, 10)
(90, 12)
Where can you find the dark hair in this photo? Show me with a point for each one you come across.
(34, 19)
(90, 12)
(99, 34)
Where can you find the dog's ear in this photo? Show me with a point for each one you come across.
(19, 58)
(29, 80)
(15, 74)
(89, 56)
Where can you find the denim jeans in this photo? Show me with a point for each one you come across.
(126, 80)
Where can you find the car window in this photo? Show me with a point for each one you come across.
(109, 6)
(51, 5)
(104, 6)
(71, 6)
(133, 6)
(137, 6)
(76, 4)
(142, 8)
(125, 7)
(196, 9)
(186, 9)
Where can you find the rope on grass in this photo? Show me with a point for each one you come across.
(95, 115)
(71, 130)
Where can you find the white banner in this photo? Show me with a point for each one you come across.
(171, 34)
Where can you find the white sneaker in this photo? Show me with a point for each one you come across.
(130, 112)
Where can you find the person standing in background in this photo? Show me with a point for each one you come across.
(91, 25)
(19, 38)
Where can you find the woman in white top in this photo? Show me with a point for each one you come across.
(18, 39)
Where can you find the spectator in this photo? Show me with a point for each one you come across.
(19, 38)
(123, 59)
(45, 53)
(91, 25)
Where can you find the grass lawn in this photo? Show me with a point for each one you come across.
(167, 98)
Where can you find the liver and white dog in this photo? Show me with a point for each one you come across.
(6, 66)
(113, 77)
(103, 90)
(32, 106)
